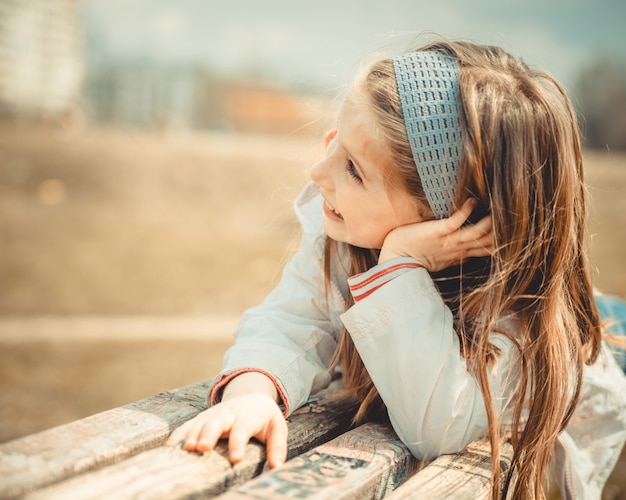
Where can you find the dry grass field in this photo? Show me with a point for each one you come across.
(114, 226)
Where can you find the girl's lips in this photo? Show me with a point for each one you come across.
(330, 211)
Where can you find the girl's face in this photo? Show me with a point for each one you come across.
(361, 205)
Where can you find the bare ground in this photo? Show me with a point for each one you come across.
(128, 225)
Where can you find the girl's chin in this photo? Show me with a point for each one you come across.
(341, 237)
(331, 230)
(336, 230)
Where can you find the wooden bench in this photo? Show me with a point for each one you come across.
(120, 454)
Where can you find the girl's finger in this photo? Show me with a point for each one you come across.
(240, 436)
(190, 439)
(480, 248)
(487, 240)
(484, 241)
(210, 435)
(458, 218)
(277, 442)
(476, 231)
(478, 252)
(180, 434)
(485, 224)
(204, 429)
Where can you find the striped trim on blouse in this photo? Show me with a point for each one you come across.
(364, 284)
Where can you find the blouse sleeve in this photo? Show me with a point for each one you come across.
(404, 334)
(291, 337)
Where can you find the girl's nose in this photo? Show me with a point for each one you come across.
(320, 174)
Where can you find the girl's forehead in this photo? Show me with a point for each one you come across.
(356, 110)
(357, 95)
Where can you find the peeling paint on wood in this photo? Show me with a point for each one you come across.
(366, 462)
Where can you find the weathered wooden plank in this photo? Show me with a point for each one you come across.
(366, 462)
(47, 457)
(464, 475)
(163, 472)
(169, 472)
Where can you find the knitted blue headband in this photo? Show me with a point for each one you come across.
(428, 84)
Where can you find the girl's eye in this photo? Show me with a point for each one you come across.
(353, 172)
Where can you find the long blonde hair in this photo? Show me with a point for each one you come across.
(522, 160)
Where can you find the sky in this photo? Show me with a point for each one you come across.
(322, 43)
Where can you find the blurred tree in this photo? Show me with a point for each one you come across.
(600, 91)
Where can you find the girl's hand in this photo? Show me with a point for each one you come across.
(439, 244)
(238, 418)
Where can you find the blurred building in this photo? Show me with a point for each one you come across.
(250, 108)
(41, 59)
(139, 95)
(47, 71)
(136, 95)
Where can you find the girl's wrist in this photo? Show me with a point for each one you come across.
(388, 253)
(251, 382)
(386, 256)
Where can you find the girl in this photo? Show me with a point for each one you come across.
(448, 322)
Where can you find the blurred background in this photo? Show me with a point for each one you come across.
(150, 151)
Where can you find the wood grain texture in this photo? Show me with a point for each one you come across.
(366, 462)
(461, 476)
(50, 456)
(120, 454)
(169, 472)
(163, 472)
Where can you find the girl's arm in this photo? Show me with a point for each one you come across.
(281, 354)
(405, 336)
(291, 337)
